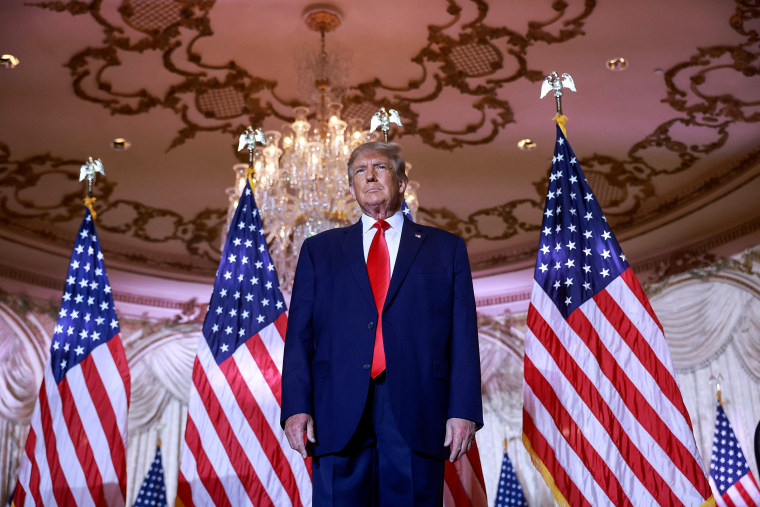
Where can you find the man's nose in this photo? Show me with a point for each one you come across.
(371, 174)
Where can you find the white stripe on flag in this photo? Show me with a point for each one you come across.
(566, 456)
(751, 487)
(470, 482)
(263, 395)
(114, 385)
(189, 470)
(590, 427)
(655, 456)
(275, 345)
(70, 465)
(240, 427)
(92, 426)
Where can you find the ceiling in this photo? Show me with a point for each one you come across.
(670, 145)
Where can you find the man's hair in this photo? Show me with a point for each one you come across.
(389, 150)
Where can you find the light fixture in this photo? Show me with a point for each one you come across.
(301, 184)
(121, 144)
(9, 62)
(526, 144)
(618, 64)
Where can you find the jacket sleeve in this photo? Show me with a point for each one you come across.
(464, 388)
(299, 341)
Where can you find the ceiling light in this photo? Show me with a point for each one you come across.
(526, 144)
(121, 144)
(617, 64)
(9, 61)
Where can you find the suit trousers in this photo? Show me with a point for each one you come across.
(377, 467)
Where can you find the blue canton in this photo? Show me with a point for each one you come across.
(153, 489)
(87, 318)
(510, 492)
(577, 255)
(246, 295)
(728, 464)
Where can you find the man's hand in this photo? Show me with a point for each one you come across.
(295, 425)
(459, 435)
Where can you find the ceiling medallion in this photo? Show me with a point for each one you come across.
(9, 62)
(618, 64)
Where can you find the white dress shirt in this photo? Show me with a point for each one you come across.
(392, 235)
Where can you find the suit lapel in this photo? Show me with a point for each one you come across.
(412, 237)
(353, 249)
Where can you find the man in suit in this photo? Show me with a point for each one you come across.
(381, 370)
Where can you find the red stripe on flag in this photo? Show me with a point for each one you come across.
(184, 492)
(587, 391)
(281, 324)
(61, 489)
(266, 366)
(34, 476)
(206, 471)
(743, 493)
(107, 417)
(728, 500)
(81, 443)
(637, 404)
(120, 359)
(258, 423)
(455, 487)
(545, 453)
(473, 455)
(633, 283)
(641, 349)
(243, 468)
(595, 464)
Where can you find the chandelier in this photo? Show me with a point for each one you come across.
(301, 184)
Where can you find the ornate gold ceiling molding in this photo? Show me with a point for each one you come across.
(622, 186)
(465, 55)
(22, 186)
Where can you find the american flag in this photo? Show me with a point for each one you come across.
(235, 452)
(153, 489)
(75, 451)
(509, 493)
(603, 416)
(730, 477)
(463, 481)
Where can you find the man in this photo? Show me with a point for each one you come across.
(381, 368)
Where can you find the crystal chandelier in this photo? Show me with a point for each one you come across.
(301, 184)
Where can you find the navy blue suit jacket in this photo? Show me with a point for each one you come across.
(429, 332)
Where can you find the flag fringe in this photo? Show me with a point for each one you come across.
(548, 479)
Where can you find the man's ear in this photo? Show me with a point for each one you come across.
(401, 186)
(351, 189)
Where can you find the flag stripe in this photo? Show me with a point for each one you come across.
(469, 479)
(242, 466)
(633, 284)
(611, 382)
(641, 348)
(566, 487)
(455, 487)
(573, 434)
(281, 323)
(81, 443)
(609, 421)
(62, 495)
(206, 472)
(34, 475)
(112, 443)
(266, 365)
(258, 423)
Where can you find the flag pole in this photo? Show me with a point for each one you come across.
(248, 139)
(88, 171)
(383, 119)
(716, 379)
(553, 82)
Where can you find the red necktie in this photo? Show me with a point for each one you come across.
(379, 270)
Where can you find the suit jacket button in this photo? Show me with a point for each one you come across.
(366, 366)
(371, 325)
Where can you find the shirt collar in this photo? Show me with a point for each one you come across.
(396, 221)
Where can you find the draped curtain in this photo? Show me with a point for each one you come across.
(712, 324)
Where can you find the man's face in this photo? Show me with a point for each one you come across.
(375, 185)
